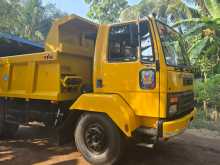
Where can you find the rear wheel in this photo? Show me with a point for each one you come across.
(98, 139)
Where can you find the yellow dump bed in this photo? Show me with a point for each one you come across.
(57, 73)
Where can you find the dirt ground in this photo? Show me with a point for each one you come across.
(36, 146)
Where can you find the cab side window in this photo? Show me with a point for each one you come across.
(123, 43)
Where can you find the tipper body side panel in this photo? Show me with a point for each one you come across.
(56, 74)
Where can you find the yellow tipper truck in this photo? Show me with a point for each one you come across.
(101, 85)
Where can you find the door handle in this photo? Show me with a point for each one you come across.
(157, 65)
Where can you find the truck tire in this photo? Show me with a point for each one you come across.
(98, 139)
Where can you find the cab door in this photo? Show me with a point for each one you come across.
(129, 67)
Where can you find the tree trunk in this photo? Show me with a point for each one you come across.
(205, 108)
(216, 110)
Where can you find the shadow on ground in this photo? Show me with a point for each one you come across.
(37, 146)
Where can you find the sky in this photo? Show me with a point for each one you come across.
(75, 6)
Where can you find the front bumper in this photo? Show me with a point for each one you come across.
(175, 127)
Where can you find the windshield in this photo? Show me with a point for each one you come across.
(173, 46)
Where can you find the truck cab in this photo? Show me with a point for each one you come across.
(101, 85)
(144, 63)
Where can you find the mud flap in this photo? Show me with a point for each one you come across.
(65, 132)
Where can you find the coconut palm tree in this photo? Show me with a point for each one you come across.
(168, 11)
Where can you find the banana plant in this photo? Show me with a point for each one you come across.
(203, 34)
(213, 7)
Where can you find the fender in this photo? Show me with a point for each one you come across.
(112, 105)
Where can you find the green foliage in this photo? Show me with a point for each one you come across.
(144, 8)
(203, 34)
(32, 15)
(28, 19)
(37, 19)
(213, 7)
(201, 122)
(166, 10)
(105, 11)
(9, 16)
(209, 91)
(197, 48)
(205, 55)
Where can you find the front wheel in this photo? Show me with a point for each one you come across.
(98, 139)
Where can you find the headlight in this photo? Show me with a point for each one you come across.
(172, 110)
(172, 105)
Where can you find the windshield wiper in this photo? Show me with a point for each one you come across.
(184, 67)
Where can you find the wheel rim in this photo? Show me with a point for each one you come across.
(95, 138)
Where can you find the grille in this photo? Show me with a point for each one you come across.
(185, 104)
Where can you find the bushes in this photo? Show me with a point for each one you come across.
(201, 122)
(208, 94)
(208, 103)
(208, 91)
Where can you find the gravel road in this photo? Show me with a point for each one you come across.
(35, 146)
